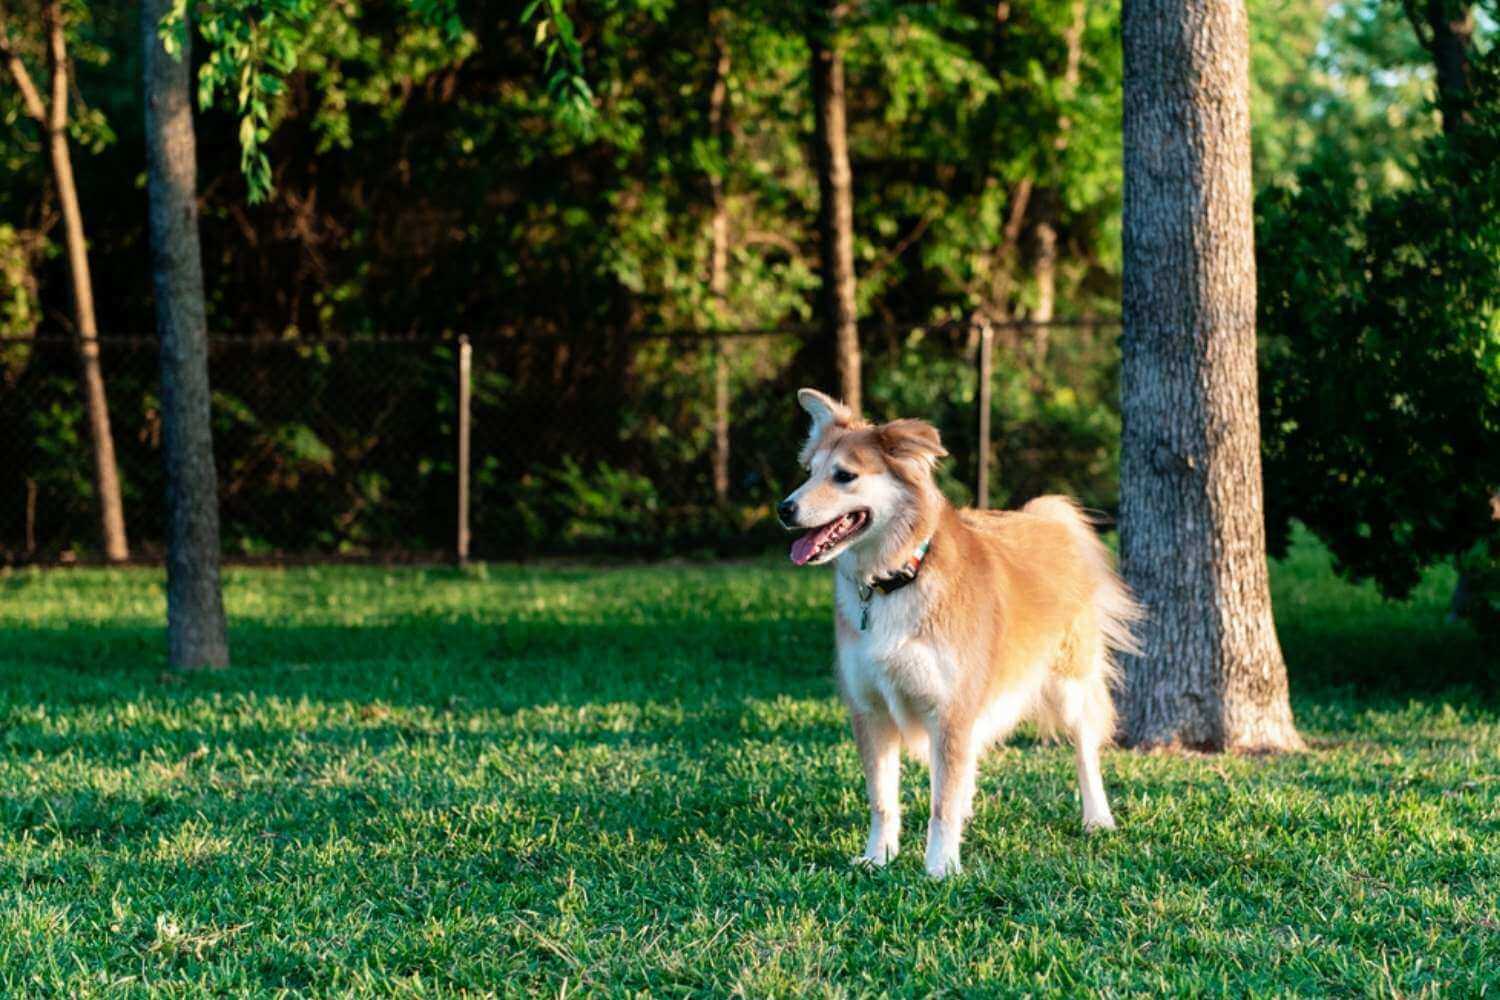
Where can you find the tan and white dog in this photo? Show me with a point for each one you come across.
(953, 625)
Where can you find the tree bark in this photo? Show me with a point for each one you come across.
(196, 634)
(52, 118)
(1192, 525)
(718, 264)
(1003, 260)
(1045, 268)
(1446, 29)
(835, 205)
(1051, 202)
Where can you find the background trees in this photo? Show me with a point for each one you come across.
(44, 30)
(1381, 315)
(835, 196)
(426, 176)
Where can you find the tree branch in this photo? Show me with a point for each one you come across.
(29, 94)
(903, 245)
(1418, 23)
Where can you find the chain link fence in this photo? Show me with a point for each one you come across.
(353, 448)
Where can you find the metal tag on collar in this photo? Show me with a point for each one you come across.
(866, 594)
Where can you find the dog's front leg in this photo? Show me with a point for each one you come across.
(880, 753)
(954, 764)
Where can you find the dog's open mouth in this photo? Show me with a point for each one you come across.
(820, 541)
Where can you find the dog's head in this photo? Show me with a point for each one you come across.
(864, 480)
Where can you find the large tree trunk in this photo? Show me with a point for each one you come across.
(1192, 526)
(52, 118)
(195, 607)
(835, 204)
(718, 263)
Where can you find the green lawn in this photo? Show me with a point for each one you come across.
(545, 780)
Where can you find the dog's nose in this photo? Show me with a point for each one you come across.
(787, 511)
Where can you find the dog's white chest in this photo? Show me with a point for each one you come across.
(889, 658)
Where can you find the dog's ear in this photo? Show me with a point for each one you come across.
(826, 412)
(911, 441)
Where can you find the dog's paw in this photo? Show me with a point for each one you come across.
(942, 848)
(941, 868)
(875, 856)
(1098, 824)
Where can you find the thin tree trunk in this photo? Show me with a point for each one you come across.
(1448, 37)
(718, 265)
(1192, 526)
(1003, 262)
(1046, 227)
(30, 517)
(52, 118)
(195, 608)
(1045, 269)
(836, 205)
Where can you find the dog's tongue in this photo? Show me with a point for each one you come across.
(804, 547)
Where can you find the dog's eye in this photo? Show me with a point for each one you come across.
(844, 476)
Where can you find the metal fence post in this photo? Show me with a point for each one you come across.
(465, 364)
(986, 344)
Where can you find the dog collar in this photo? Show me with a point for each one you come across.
(889, 583)
(902, 576)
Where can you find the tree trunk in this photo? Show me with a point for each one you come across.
(52, 119)
(1192, 526)
(1002, 281)
(1046, 283)
(835, 205)
(1452, 26)
(195, 607)
(1051, 202)
(718, 264)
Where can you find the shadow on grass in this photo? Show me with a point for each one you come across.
(1333, 650)
(1387, 659)
(434, 663)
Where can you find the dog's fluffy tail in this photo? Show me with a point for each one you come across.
(1116, 608)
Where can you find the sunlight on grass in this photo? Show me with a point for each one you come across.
(529, 780)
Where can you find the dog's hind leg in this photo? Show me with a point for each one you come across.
(880, 753)
(1084, 708)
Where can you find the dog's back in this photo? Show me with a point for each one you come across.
(1064, 611)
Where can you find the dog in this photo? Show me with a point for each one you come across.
(952, 626)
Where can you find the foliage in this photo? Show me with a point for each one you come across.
(1346, 84)
(605, 507)
(18, 307)
(566, 85)
(1381, 324)
(26, 197)
(1477, 598)
(427, 174)
(534, 780)
(253, 45)
(327, 449)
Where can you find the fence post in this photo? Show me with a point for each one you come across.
(465, 360)
(986, 344)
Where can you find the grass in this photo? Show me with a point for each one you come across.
(638, 780)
